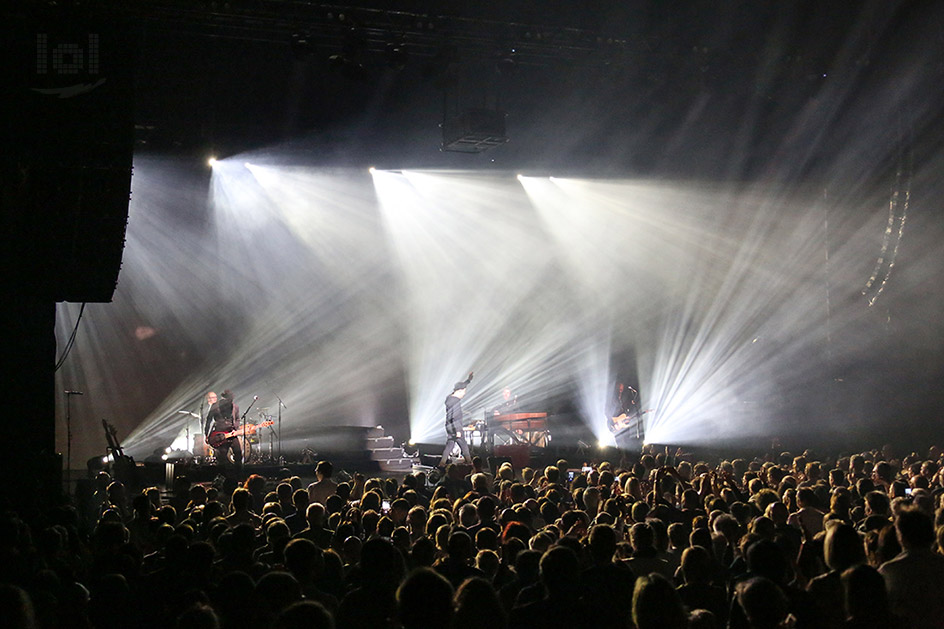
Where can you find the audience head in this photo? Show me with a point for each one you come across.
(324, 469)
(763, 602)
(696, 565)
(641, 537)
(560, 570)
(765, 558)
(477, 606)
(424, 599)
(843, 547)
(16, 607)
(304, 615)
(915, 529)
(303, 559)
(602, 543)
(381, 564)
(656, 604)
(864, 594)
(274, 592)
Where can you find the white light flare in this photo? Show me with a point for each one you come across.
(336, 295)
(472, 258)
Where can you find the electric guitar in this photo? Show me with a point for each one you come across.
(625, 420)
(217, 437)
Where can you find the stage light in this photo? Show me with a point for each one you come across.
(556, 278)
(167, 450)
(371, 170)
(211, 162)
(164, 457)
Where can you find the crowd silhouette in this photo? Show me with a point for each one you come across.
(659, 539)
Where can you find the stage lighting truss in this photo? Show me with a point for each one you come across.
(394, 37)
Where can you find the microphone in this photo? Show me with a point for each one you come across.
(255, 397)
(73, 393)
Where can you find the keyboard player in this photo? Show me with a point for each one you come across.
(509, 403)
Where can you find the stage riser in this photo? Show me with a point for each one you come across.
(375, 443)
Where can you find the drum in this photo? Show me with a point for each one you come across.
(475, 434)
(200, 447)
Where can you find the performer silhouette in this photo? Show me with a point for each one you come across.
(454, 434)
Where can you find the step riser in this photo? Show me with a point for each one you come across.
(386, 454)
(374, 443)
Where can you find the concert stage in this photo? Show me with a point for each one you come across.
(370, 451)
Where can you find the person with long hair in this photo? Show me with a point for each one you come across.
(478, 607)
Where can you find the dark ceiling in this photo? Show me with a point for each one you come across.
(601, 87)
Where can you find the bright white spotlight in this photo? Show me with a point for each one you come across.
(104, 460)
(601, 445)
(163, 457)
(519, 177)
(247, 165)
(211, 162)
(167, 450)
(411, 442)
(371, 170)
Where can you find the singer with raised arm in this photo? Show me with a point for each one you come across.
(454, 434)
(223, 418)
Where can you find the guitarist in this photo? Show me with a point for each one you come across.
(623, 408)
(224, 417)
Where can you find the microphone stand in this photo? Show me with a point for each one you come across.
(69, 395)
(69, 442)
(246, 412)
(281, 406)
(242, 420)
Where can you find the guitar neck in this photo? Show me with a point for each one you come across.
(249, 429)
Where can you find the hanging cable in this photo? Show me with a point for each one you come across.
(71, 341)
(895, 226)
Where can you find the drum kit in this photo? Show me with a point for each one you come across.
(476, 434)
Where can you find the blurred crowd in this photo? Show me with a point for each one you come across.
(658, 539)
